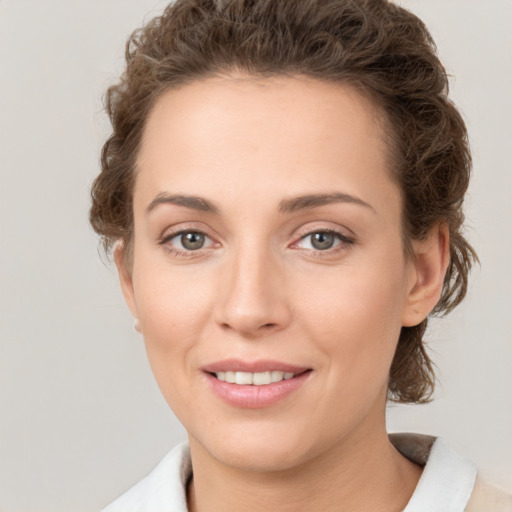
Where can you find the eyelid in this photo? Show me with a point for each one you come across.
(324, 227)
(171, 236)
(185, 227)
(345, 240)
(172, 232)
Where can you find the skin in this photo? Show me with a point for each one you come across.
(258, 289)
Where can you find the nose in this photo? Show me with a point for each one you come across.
(252, 298)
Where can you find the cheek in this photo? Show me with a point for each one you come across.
(171, 300)
(355, 318)
(173, 309)
(176, 308)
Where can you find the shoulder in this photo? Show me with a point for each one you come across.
(487, 498)
(163, 489)
(450, 482)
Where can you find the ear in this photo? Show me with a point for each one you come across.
(428, 268)
(125, 277)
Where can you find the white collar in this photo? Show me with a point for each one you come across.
(448, 478)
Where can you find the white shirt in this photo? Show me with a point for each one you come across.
(446, 485)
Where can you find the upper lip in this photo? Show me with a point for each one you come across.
(237, 365)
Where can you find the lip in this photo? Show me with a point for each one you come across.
(251, 396)
(267, 365)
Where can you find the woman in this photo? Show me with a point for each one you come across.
(283, 191)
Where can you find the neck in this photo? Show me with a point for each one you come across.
(357, 475)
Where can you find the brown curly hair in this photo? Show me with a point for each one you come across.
(378, 47)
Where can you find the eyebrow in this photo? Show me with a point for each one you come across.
(286, 206)
(316, 200)
(192, 202)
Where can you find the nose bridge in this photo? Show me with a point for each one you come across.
(252, 299)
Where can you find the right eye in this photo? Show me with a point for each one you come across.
(190, 240)
(186, 241)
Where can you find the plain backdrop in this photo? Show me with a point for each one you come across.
(81, 418)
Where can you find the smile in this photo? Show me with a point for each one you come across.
(254, 385)
(254, 379)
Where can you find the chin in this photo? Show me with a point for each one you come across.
(259, 449)
(254, 457)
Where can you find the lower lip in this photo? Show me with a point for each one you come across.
(255, 397)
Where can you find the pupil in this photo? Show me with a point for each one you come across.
(192, 241)
(322, 241)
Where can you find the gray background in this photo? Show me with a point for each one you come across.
(81, 418)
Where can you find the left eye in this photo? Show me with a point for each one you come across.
(321, 240)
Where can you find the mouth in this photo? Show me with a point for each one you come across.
(255, 385)
(255, 379)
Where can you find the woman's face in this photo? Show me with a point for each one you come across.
(268, 242)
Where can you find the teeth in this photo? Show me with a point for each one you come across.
(243, 378)
(276, 376)
(256, 379)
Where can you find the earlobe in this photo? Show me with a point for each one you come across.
(429, 265)
(125, 277)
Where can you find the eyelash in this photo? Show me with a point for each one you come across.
(165, 239)
(344, 242)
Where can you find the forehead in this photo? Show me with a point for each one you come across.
(312, 109)
(234, 132)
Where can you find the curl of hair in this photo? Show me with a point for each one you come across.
(383, 50)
